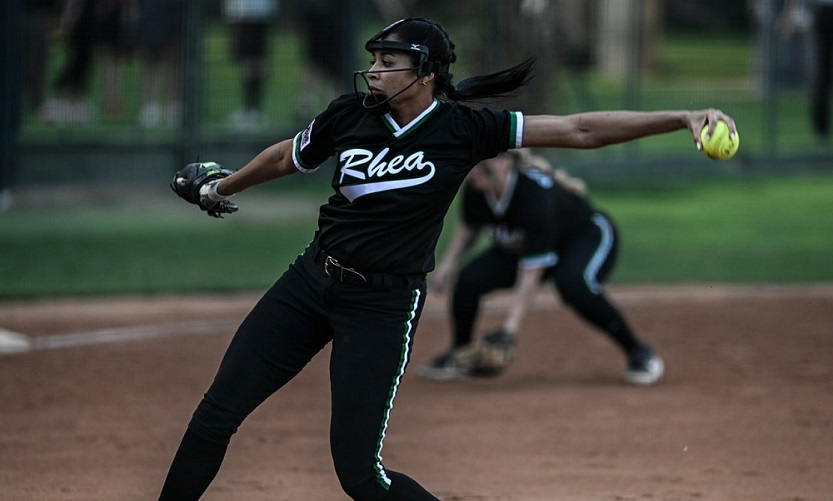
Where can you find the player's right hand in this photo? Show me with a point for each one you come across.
(441, 278)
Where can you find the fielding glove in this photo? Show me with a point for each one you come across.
(196, 183)
(489, 356)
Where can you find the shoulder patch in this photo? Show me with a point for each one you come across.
(306, 136)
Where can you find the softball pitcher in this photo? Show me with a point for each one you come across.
(402, 148)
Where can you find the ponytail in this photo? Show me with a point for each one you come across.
(505, 83)
(572, 184)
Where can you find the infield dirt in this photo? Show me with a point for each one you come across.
(95, 410)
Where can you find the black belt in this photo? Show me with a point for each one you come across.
(341, 273)
(348, 275)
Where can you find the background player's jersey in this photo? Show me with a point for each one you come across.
(393, 185)
(533, 219)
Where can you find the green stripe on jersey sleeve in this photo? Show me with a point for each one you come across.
(296, 157)
(516, 129)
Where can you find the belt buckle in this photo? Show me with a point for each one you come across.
(357, 277)
(329, 264)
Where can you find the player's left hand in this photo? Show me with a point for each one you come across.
(196, 183)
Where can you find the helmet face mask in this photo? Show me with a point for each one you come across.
(379, 105)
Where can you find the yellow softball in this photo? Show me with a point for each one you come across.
(719, 146)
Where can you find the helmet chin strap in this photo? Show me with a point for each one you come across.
(378, 105)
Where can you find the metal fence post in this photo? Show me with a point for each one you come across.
(633, 75)
(192, 86)
(770, 100)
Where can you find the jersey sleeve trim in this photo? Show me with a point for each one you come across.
(538, 261)
(516, 129)
(296, 157)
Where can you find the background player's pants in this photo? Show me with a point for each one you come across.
(372, 335)
(583, 265)
(823, 36)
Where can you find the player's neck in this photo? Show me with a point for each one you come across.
(408, 111)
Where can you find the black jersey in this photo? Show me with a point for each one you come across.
(534, 218)
(393, 185)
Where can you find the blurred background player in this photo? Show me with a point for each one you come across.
(323, 29)
(823, 39)
(543, 228)
(40, 21)
(250, 21)
(323, 25)
(93, 32)
(159, 47)
(70, 102)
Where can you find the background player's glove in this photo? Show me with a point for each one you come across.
(196, 183)
(466, 357)
(495, 351)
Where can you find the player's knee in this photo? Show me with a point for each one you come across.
(469, 289)
(572, 290)
(362, 489)
(470, 280)
(213, 423)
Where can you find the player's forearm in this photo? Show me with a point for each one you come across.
(525, 287)
(272, 163)
(598, 129)
(461, 241)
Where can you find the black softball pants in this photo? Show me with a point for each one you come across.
(584, 263)
(371, 331)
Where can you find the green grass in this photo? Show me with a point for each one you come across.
(83, 254)
(737, 230)
(752, 231)
(140, 260)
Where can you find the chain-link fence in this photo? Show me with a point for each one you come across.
(98, 90)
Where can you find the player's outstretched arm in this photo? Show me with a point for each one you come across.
(462, 240)
(603, 128)
(272, 163)
(526, 285)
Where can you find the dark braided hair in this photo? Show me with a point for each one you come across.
(441, 54)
